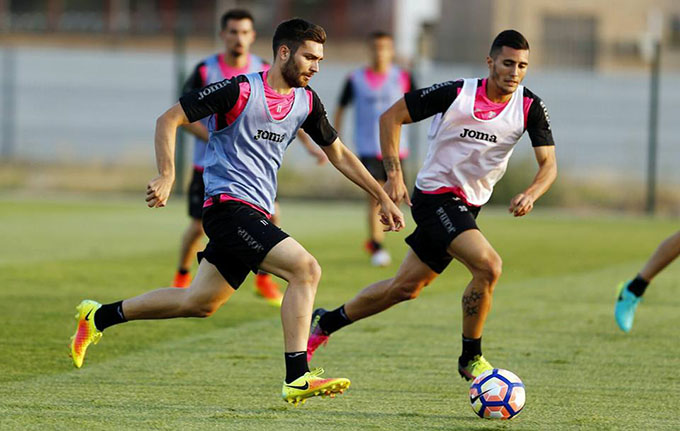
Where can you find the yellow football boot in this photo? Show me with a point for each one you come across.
(311, 385)
(474, 367)
(86, 332)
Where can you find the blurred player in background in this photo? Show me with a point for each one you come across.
(238, 35)
(254, 119)
(476, 126)
(373, 89)
(630, 292)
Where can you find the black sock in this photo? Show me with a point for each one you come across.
(183, 271)
(333, 320)
(375, 245)
(638, 285)
(471, 348)
(109, 315)
(296, 365)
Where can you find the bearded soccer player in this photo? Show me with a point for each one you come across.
(254, 119)
(630, 292)
(476, 126)
(372, 90)
(237, 35)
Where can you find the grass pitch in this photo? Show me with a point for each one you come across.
(551, 324)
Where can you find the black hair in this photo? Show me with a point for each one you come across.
(379, 34)
(237, 14)
(295, 32)
(509, 38)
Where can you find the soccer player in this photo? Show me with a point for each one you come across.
(254, 119)
(237, 35)
(373, 89)
(630, 292)
(476, 126)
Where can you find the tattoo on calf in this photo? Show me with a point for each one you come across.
(471, 303)
(391, 164)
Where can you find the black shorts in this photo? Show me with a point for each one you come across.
(375, 167)
(239, 239)
(196, 195)
(439, 219)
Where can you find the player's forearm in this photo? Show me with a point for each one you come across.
(164, 139)
(545, 177)
(350, 166)
(390, 135)
(164, 144)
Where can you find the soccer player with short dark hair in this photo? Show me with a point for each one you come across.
(477, 123)
(237, 35)
(254, 118)
(631, 291)
(372, 89)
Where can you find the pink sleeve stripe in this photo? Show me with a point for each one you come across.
(203, 70)
(239, 106)
(527, 104)
(310, 95)
(405, 81)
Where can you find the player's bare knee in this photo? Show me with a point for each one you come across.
(488, 269)
(198, 308)
(405, 290)
(307, 272)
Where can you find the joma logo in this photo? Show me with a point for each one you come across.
(270, 136)
(469, 133)
(212, 88)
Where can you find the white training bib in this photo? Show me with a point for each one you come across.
(468, 155)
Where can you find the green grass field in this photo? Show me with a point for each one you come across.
(551, 324)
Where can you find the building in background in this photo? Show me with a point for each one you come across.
(588, 34)
(585, 34)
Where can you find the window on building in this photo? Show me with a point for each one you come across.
(570, 41)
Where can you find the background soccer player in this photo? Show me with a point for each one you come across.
(237, 35)
(476, 126)
(373, 89)
(630, 292)
(254, 119)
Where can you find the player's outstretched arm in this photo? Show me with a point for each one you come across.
(390, 134)
(523, 203)
(158, 189)
(350, 166)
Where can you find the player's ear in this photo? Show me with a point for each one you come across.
(489, 61)
(284, 53)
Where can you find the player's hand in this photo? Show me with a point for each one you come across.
(397, 191)
(521, 205)
(158, 191)
(391, 216)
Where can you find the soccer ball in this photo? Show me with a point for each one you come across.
(497, 394)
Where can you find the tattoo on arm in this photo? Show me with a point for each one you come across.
(392, 164)
(471, 303)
